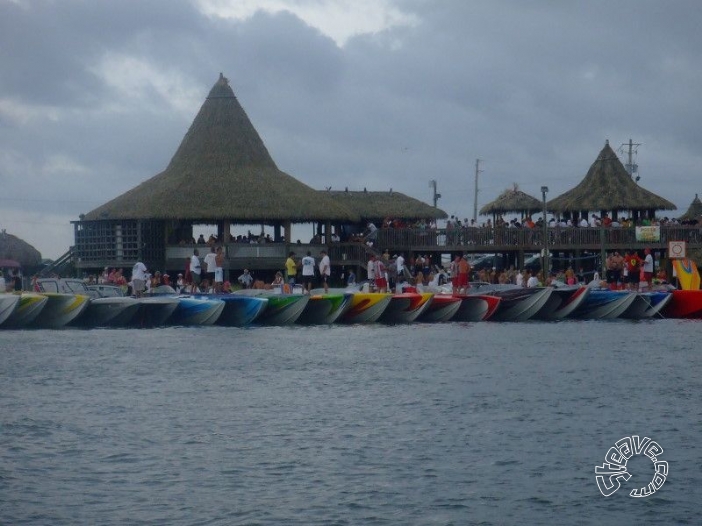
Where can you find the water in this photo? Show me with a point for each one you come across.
(483, 423)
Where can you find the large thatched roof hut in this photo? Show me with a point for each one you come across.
(222, 170)
(608, 187)
(14, 249)
(512, 200)
(694, 211)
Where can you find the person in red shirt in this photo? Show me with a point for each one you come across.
(632, 263)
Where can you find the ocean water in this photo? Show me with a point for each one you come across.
(485, 423)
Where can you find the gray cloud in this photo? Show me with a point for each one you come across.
(96, 96)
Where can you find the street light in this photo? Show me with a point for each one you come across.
(544, 191)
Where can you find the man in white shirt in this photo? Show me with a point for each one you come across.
(307, 271)
(138, 278)
(246, 279)
(325, 270)
(195, 269)
(210, 265)
(519, 279)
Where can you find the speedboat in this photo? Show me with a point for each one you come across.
(8, 304)
(684, 304)
(443, 307)
(29, 307)
(239, 310)
(604, 304)
(282, 309)
(60, 309)
(647, 304)
(323, 309)
(193, 310)
(366, 307)
(154, 311)
(103, 311)
(562, 302)
(406, 307)
(517, 303)
(476, 307)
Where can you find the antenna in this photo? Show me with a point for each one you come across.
(436, 196)
(631, 167)
(475, 200)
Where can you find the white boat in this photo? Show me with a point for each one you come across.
(29, 307)
(60, 309)
(110, 310)
(8, 304)
(443, 307)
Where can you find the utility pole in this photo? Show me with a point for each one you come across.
(631, 167)
(436, 196)
(475, 201)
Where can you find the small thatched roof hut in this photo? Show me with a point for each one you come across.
(512, 200)
(694, 211)
(222, 170)
(609, 187)
(372, 206)
(14, 249)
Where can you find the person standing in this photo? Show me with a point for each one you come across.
(325, 270)
(210, 262)
(632, 265)
(195, 268)
(246, 279)
(291, 269)
(648, 268)
(370, 270)
(219, 271)
(463, 273)
(308, 271)
(138, 279)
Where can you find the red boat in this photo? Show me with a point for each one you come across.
(476, 307)
(443, 307)
(685, 304)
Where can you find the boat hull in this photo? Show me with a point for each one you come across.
(154, 311)
(283, 309)
(563, 302)
(8, 305)
(520, 304)
(604, 305)
(323, 309)
(684, 304)
(443, 307)
(196, 311)
(366, 307)
(239, 310)
(476, 307)
(29, 307)
(108, 312)
(60, 310)
(406, 307)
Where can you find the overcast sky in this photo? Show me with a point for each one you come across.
(95, 96)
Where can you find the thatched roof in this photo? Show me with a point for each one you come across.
(512, 200)
(695, 210)
(608, 186)
(13, 248)
(379, 205)
(222, 170)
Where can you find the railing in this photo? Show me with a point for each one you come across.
(531, 238)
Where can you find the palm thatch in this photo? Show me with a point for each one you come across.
(695, 210)
(512, 200)
(609, 187)
(379, 205)
(222, 170)
(13, 248)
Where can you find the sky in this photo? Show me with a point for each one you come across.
(96, 96)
